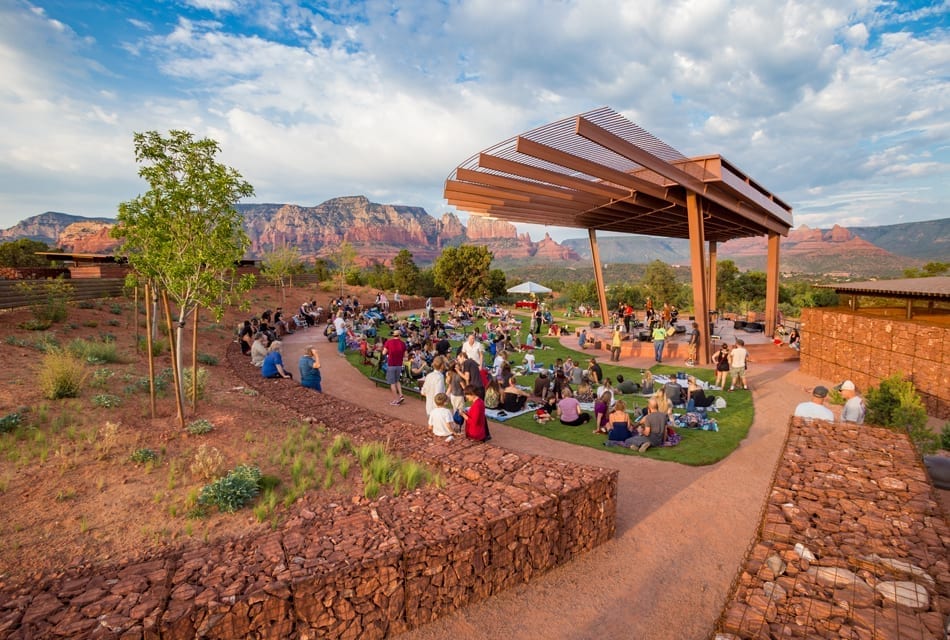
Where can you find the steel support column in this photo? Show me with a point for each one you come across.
(697, 245)
(771, 284)
(599, 277)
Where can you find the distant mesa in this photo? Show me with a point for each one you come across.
(377, 231)
(380, 231)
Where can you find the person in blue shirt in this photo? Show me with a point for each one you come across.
(309, 366)
(273, 366)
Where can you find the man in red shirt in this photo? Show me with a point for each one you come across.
(394, 350)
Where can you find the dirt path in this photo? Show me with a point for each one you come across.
(682, 532)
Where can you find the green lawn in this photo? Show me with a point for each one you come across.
(696, 447)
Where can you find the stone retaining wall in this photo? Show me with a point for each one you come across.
(839, 345)
(364, 569)
(852, 543)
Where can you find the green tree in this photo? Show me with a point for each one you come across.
(660, 282)
(928, 270)
(426, 286)
(321, 269)
(405, 272)
(463, 270)
(378, 276)
(184, 235)
(280, 264)
(22, 253)
(497, 283)
(345, 259)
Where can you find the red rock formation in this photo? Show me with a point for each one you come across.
(87, 237)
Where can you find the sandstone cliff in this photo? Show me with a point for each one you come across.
(377, 231)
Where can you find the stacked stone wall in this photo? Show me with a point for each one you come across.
(852, 543)
(839, 345)
(361, 569)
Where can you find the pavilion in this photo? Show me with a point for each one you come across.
(599, 171)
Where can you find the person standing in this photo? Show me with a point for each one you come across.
(434, 383)
(394, 350)
(537, 320)
(309, 366)
(722, 366)
(615, 343)
(659, 341)
(474, 349)
(476, 425)
(738, 360)
(339, 325)
(693, 345)
(854, 409)
(472, 374)
(627, 317)
(815, 408)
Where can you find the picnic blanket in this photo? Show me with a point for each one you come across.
(500, 415)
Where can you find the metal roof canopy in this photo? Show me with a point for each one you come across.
(599, 171)
(933, 288)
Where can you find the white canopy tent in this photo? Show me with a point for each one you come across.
(529, 287)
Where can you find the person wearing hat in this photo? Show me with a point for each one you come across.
(853, 410)
(815, 408)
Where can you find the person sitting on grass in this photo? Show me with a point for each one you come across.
(696, 396)
(569, 410)
(492, 394)
(476, 425)
(651, 428)
(440, 418)
(513, 398)
(259, 349)
(309, 366)
(273, 365)
(626, 387)
(619, 422)
(601, 411)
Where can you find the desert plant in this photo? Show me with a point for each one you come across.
(95, 352)
(49, 304)
(199, 427)
(101, 377)
(143, 456)
(159, 345)
(107, 439)
(896, 403)
(202, 380)
(106, 400)
(10, 422)
(115, 308)
(207, 463)
(61, 375)
(208, 359)
(233, 491)
(86, 304)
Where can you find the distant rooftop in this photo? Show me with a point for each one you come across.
(935, 288)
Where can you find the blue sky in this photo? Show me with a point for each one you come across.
(839, 108)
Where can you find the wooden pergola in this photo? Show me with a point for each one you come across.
(599, 171)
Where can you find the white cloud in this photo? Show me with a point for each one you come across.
(315, 101)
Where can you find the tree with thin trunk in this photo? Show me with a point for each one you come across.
(184, 235)
(345, 259)
(280, 264)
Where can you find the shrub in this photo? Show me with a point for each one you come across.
(202, 381)
(895, 403)
(199, 427)
(100, 378)
(10, 422)
(208, 359)
(143, 455)
(95, 352)
(208, 463)
(61, 375)
(233, 491)
(115, 308)
(159, 345)
(106, 400)
(50, 303)
(86, 304)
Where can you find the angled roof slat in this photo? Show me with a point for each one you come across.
(598, 170)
